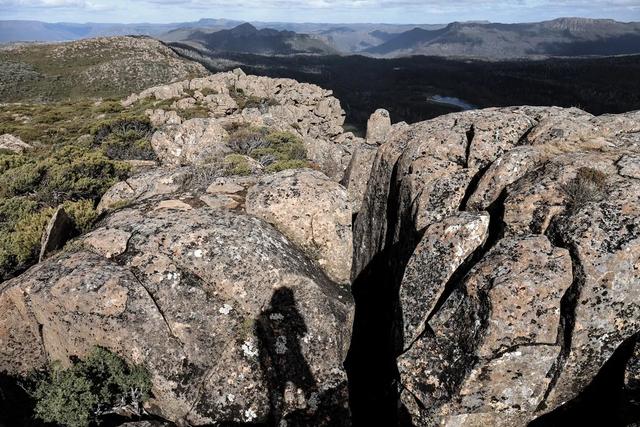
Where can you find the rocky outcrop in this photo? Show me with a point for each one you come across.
(313, 212)
(233, 100)
(492, 256)
(378, 127)
(506, 244)
(196, 141)
(233, 322)
(11, 143)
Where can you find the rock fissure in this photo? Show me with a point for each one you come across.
(157, 306)
(568, 305)
(470, 134)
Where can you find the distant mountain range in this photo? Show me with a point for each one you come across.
(560, 37)
(246, 38)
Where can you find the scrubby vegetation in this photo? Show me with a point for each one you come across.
(79, 150)
(101, 67)
(100, 385)
(275, 151)
(249, 101)
(588, 186)
(237, 164)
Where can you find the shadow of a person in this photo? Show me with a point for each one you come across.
(279, 330)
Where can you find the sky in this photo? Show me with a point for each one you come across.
(327, 11)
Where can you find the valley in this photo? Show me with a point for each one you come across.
(403, 85)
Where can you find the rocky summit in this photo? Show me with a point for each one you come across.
(265, 267)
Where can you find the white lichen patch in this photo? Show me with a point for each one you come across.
(198, 253)
(250, 415)
(225, 309)
(281, 345)
(248, 349)
(276, 316)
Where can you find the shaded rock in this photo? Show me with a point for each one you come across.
(532, 326)
(222, 201)
(332, 159)
(59, 231)
(225, 186)
(11, 143)
(312, 211)
(509, 300)
(357, 174)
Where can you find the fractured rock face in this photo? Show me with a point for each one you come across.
(508, 326)
(233, 322)
(313, 212)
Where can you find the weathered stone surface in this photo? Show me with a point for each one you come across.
(233, 322)
(490, 396)
(541, 308)
(11, 143)
(161, 117)
(378, 127)
(506, 170)
(59, 231)
(195, 141)
(510, 299)
(604, 238)
(313, 211)
(357, 174)
(236, 99)
(444, 247)
(107, 242)
(158, 182)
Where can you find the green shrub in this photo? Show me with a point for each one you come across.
(20, 242)
(245, 139)
(73, 173)
(249, 101)
(284, 150)
(236, 164)
(12, 209)
(281, 165)
(195, 112)
(83, 213)
(10, 160)
(90, 389)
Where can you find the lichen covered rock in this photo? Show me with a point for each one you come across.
(233, 322)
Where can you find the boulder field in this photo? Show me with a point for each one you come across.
(478, 269)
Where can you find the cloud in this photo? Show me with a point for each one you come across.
(406, 11)
(44, 3)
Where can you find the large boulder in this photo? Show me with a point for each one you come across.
(233, 322)
(378, 127)
(313, 211)
(506, 244)
(196, 141)
(11, 143)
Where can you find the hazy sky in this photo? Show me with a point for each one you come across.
(393, 11)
